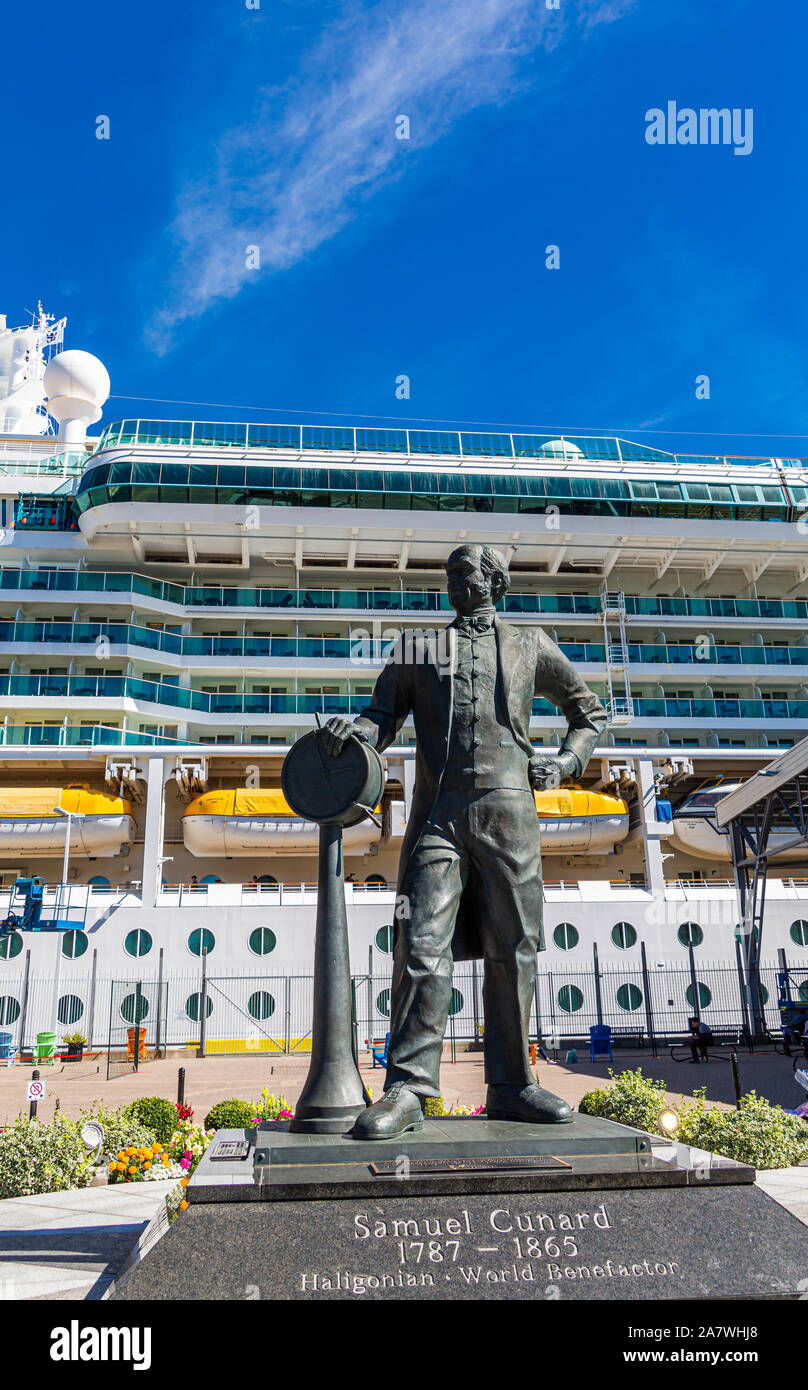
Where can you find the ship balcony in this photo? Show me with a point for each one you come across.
(97, 694)
(127, 640)
(20, 586)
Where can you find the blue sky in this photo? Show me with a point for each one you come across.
(275, 127)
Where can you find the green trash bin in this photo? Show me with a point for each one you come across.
(45, 1048)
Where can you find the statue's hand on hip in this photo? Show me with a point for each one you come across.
(336, 732)
(547, 771)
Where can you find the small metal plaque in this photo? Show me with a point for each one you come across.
(230, 1148)
(495, 1163)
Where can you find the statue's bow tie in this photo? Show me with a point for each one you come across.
(468, 625)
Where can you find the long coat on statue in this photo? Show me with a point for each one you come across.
(418, 679)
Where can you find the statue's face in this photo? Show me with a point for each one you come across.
(467, 586)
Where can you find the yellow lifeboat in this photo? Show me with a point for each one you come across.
(30, 825)
(586, 822)
(240, 823)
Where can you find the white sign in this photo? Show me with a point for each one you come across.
(36, 1090)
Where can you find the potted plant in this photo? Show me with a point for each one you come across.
(75, 1044)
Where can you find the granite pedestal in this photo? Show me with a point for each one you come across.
(471, 1209)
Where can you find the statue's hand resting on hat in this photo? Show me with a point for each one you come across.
(336, 732)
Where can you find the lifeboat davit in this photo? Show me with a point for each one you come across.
(30, 826)
(240, 823)
(586, 822)
(696, 831)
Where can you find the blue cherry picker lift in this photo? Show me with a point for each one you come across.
(27, 910)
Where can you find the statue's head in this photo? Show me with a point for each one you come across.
(476, 575)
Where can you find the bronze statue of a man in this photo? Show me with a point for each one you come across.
(470, 872)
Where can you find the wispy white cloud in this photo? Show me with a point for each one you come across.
(317, 149)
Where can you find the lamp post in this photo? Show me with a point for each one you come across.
(68, 817)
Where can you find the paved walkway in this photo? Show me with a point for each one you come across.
(216, 1078)
(71, 1245)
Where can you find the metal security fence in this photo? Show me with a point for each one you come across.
(243, 1014)
(137, 1023)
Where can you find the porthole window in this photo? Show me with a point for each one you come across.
(629, 997)
(384, 940)
(262, 941)
(799, 932)
(383, 1003)
(138, 942)
(134, 1008)
(193, 1007)
(9, 1009)
(566, 936)
(705, 995)
(375, 881)
(456, 1002)
(70, 1009)
(10, 946)
(260, 1005)
(570, 999)
(201, 940)
(74, 943)
(690, 934)
(803, 990)
(624, 935)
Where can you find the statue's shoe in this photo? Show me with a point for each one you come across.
(399, 1111)
(530, 1103)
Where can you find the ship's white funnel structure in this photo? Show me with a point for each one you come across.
(23, 359)
(77, 385)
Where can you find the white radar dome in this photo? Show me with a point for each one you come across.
(77, 386)
(560, 448)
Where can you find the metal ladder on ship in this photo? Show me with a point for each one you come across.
(619, 703)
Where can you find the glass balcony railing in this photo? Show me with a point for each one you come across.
(128, 584)
(174, 697)
(47, 735)
(721, 709)
(361, 648)
(302, 439)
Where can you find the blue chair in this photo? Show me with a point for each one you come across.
(7, 1050)
(600, 1042)
(381, 1057)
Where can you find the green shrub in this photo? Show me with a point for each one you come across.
(759, 1134)
(157, 1114)
(231, 1114)
(244, 1114)
(435, 1108)
(36, 1157)
(121, 1129)
(632, 1099)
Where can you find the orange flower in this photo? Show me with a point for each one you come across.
(147, 1165)
(184, 1182)
(184, 1206)
(133, 1169)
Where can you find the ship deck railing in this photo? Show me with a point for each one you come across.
(217, 894)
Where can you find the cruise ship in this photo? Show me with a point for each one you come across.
(180, 599)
